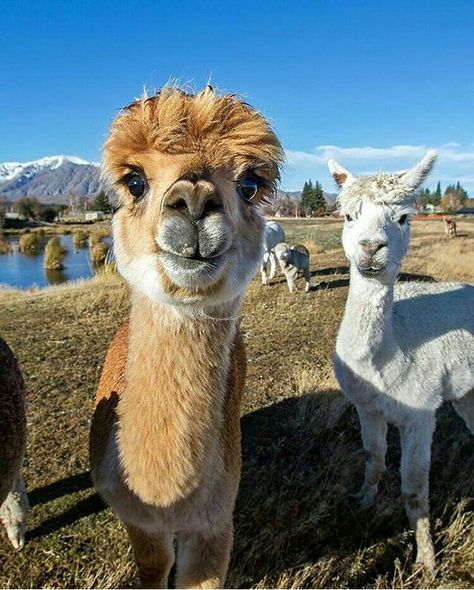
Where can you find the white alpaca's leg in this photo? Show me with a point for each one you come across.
(415, 468)
(263, 272)
(273, 264)
(307, 278)
(465, 408)
(203, 559)
(373, 430)
(290, 279)
(14, 512)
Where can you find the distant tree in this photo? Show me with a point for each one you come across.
(454, 197)
(29, 207)
(101, 203)
(2, 217)
(312, 198)
(319, 200)
(433, 198)
(48, 213)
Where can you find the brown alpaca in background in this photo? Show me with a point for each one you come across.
(13, 498)
(165, 436)
(450, 228)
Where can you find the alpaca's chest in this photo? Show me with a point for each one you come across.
(206, 506)
(391, 385)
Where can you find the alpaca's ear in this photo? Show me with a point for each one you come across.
(415, 176)
(342, 176)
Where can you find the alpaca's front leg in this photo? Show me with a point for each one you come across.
(203, 559)
(290, 275)
(263, 272)
(307, 278)
(14, 512)
(373, 430)
(416, 439)
(273, 264)
(154, 556)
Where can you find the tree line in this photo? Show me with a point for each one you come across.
(453, 198)
(32, 209)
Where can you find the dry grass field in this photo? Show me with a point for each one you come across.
(295, 525)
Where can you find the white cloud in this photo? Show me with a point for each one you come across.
(455, 162)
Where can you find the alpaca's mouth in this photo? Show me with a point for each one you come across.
(192, 271)
(370, 271)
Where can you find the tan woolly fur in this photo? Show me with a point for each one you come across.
(165, 436)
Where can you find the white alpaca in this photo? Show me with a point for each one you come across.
(292, 261)
(274, 234)
(402, 349)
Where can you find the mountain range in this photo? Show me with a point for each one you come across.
(55, 178)
(52, 179)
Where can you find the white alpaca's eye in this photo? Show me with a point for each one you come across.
(348, 218)
(136, 184)
(403, 219)
(248, 187)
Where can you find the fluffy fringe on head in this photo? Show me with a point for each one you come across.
(382, 189)
(226, 132)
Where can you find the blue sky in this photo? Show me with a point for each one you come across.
(370, 82)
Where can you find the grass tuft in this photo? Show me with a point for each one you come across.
(79, 237)
(29, 244)
(54, 254)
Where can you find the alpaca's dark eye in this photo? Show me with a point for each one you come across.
(248, 187)
(136, 184)
(348, 218)
(403, 219)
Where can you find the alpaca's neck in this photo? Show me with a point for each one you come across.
(170, 415)
(366, 329)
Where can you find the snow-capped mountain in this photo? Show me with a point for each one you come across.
(50, 179)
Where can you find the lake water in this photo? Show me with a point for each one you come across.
(23, 272)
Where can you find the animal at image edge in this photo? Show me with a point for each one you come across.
(13, 498)
(189, 171)
(402, 348)
(274, 234)
(292, 261)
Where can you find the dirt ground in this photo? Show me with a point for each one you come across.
(295, 525)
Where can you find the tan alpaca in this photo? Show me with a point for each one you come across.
(13, 498)
(165, 437)
(450, 228)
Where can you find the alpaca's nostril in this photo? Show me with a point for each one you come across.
(210, 206)
(178, 204)
(372, 247)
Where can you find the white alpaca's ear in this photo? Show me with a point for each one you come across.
(415, 176)
(342, 176)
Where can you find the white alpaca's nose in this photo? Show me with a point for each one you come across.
(371, 247)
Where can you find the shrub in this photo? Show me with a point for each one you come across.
(54, 254)
(6, 246)
(78, 238)
(97, 235)
(98, 252)
(29, 244)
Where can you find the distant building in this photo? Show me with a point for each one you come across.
(465, 211)
(94, 215)
(11, 215)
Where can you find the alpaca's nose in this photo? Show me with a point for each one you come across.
(372, 246)
(195, 199)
